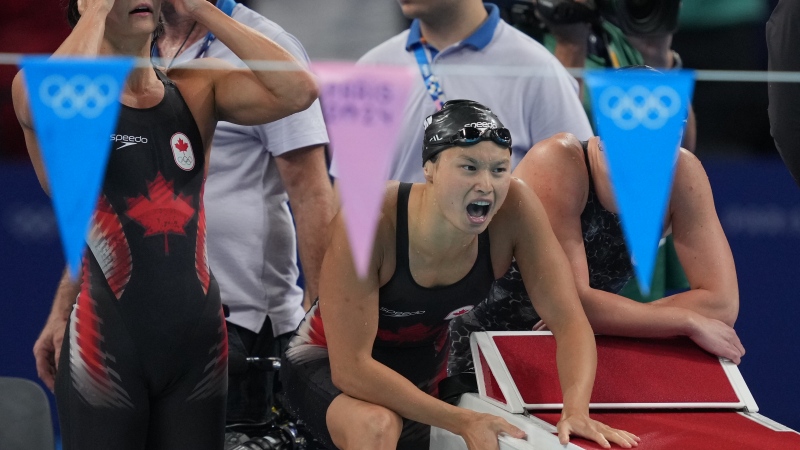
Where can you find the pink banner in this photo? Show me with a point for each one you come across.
(363, 107)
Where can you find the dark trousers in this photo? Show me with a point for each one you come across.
(251, 394)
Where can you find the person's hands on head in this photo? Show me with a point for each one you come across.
(104, 5)
(716, 338)
(480, 431)
(580, 424)
(185, 7)
(47, 350)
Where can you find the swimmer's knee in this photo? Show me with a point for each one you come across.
(364, 426)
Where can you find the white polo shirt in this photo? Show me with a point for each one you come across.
(251, 238)
(531, 107)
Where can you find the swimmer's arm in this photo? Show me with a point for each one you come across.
(554, 168)
(702, 247)
(47, 348)
(66, 295)
(84, 40)
(546, 273)
(22, 109)
(86, 37)
(547, 277)
(251, 97)
(349, 308)
(550, 173)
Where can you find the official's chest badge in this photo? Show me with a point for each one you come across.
(182, 151)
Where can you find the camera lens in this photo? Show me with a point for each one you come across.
(642, 10)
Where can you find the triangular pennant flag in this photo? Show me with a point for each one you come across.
(75, 105)
(363, 107)
(640, 116)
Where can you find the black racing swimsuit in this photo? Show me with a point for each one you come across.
(412, 328)
(508, 307)
(412, 331)
(607, 256)
(144, 363)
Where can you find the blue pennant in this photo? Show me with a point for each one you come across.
(75, 105)
(640, 115)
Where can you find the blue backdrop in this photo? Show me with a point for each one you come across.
(757, 202)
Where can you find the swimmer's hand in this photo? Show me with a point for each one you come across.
(716, 338)
(47, 350)
(480, 431)
(98, 5)
(185, 7)
(582, 425)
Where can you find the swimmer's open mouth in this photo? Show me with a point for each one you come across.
(479, 209)
(141, 9)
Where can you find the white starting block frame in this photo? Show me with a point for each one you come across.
(732, 410)
(489, 364)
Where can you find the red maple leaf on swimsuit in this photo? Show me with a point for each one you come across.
(182, 146)
(161, 211)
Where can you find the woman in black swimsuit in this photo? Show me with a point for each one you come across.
(363, 368)
(571, 179)
(144, 360)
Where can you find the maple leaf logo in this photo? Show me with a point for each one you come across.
(459, 312)
(161, 211)
(182, 146)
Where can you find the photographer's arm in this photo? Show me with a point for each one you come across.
(572, 49)
(572, 46)
(657, 53)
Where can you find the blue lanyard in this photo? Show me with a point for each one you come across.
(432, 84)
(225, 6)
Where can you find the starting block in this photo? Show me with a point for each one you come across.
(669, 392)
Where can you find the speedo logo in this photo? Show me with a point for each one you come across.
(127, 140)
(392, 313)
(480, 125)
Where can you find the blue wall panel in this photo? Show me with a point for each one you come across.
(757, 201)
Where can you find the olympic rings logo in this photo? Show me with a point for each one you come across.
(640, 106)
(186, 159)
(78, 95)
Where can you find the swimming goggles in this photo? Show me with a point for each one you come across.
(468, 136)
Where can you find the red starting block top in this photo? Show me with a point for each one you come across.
(639, 385)
(518, 370)
(693, 430)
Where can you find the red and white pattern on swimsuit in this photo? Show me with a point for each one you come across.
(311, 344)
(215, 381)
(109, 246)
(91, 375)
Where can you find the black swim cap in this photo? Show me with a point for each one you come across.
(455, 115)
